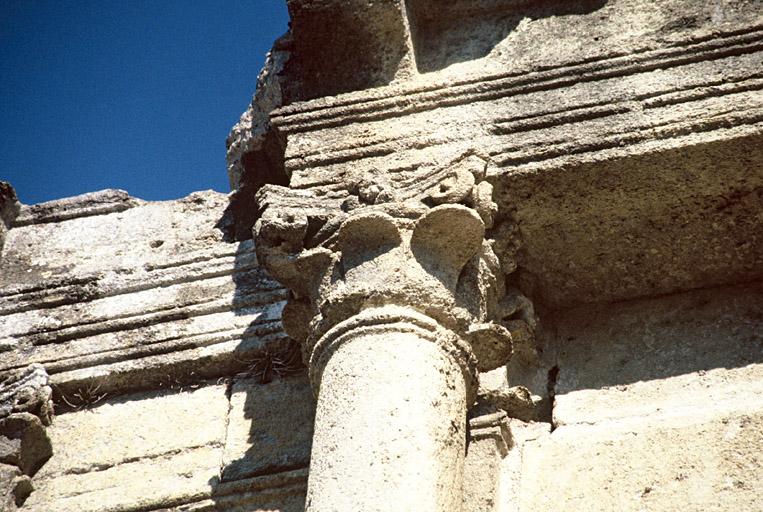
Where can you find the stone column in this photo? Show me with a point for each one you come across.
(392, 294)
(390, 422)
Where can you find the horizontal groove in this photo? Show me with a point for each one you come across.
(168, 313)
(238, 252)
(53, 284)
(396, 106)
(560, 118)
(76, 294)
(668, 131)
(175, 370)
(382, 146)
(32, 219)
(380, 94)
(555, 119)
(85, 289)
(265, 481)
(227, 495)
(717, 88)
(749, 84)
(96, 467)
(524, 88)
(179, 343)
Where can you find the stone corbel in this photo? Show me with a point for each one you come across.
(25, 410)
(398, 299)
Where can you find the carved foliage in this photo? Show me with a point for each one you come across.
(422, 245)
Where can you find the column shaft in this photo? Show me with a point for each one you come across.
(389, 428)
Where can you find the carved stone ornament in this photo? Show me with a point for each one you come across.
(420, 245)
(399, 301)
(25, 410)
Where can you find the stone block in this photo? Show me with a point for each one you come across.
(144, 484)
(345, 45)
(270, 427)
(135, 427)
(690, 462)
(664, 356)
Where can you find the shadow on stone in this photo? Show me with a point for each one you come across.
(445, 33)
(660, 338)
(270, 421)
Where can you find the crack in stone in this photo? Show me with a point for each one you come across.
(553, 377)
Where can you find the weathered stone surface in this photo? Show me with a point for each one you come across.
(84, 205)
(445, 158)
(420, 245)
(346, 45)
(254, 151)
(26, 391)
(25, 409)
(699, 461)
(662, 356)
(8, 478)
(145, 483)
(270, 427)
(137, 237)
(9, 209)
(136, 450)
(133, 427)
(156, 298)
(657, 406)
(489, 441)
(391, 416)
(676, 217)
(24, 442)
(601, 175)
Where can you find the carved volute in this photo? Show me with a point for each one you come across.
(421, 246)
(399, 301)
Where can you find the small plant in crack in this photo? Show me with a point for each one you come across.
(274, 362)
(179, 382)
(85, 397)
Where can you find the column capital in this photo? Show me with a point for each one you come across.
(423, 246)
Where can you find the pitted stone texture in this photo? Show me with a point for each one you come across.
(699, 461)
(391, 419)
(663, 356)
(9, 209)
(270, 427)
(346, 45)
(669, 218)
(147, 449)
(419, 245)
(26, 390)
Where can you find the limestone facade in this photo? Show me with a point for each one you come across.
(485, 255)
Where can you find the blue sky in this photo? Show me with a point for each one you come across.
(130, 94)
